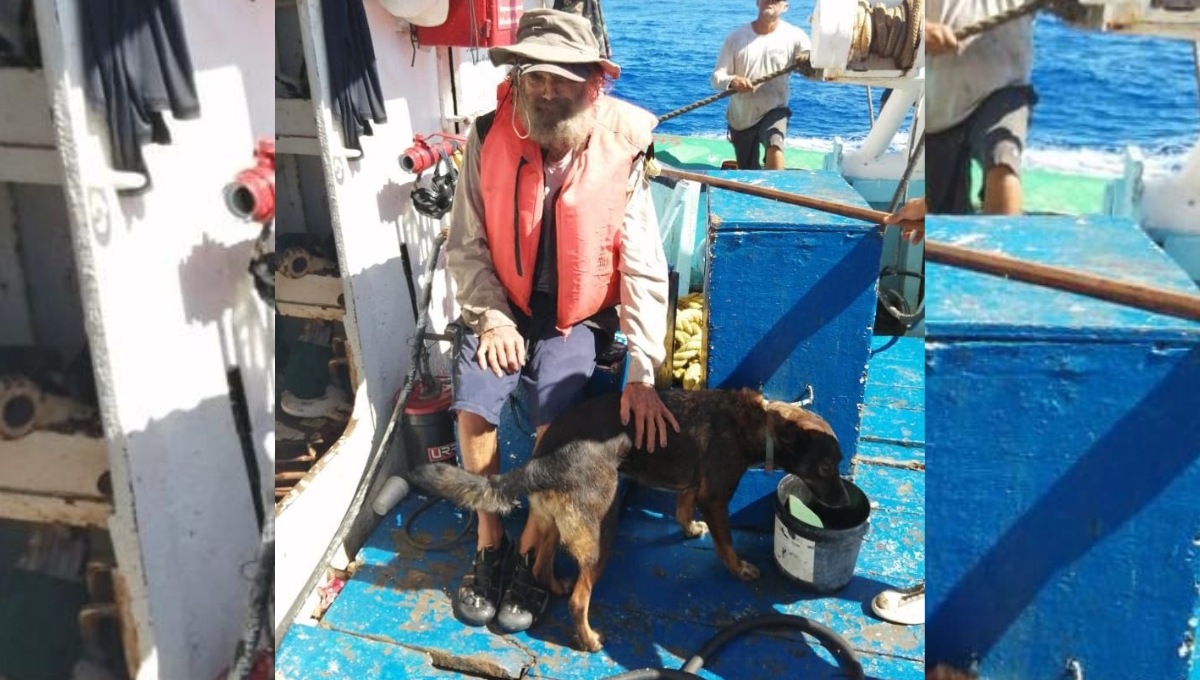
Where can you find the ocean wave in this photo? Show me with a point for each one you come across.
(1104, 163)
(1160, 160)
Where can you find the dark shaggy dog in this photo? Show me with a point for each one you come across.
(571, 479)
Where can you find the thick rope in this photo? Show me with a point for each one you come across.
(889, 32)
(902, 187)
(1002, 18)
(802, 64)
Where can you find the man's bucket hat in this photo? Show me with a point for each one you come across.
(555, 42)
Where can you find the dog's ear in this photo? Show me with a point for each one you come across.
(807, 447)
(805, 442)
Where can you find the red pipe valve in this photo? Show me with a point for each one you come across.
(251, 195)
(424, 153)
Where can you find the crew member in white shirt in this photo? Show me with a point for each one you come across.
(758, 116)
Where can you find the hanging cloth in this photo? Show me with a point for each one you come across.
(353, 78)
(137, 67)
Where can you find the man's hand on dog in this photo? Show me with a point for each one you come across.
(650, 415)
(502, 349)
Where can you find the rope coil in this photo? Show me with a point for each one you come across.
(889, 32)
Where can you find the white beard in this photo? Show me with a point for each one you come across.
(557, 133)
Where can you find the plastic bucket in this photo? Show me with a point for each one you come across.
(820, 559)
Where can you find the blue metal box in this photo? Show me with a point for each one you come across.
(791, 296)
(1063, 505)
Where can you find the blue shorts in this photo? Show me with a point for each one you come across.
(556, 371)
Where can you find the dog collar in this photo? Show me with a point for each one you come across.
(770, 466)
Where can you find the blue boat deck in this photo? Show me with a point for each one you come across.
(662, 596)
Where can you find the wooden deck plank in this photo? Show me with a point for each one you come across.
(314, 653)
(894, 488)
(401, 594)
(888, 453)
(662, 596)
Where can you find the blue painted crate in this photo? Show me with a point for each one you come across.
(791, 296)
(1064, 460)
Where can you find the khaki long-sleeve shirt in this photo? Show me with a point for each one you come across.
(484, 302)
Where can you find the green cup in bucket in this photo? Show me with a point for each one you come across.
(820, 558)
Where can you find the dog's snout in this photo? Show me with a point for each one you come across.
(830, 491)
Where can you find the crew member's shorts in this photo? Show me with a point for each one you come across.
(556, 371)
(993, 135)
(770, 131)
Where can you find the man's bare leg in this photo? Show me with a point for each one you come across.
(774, 158)
(481, 455)
(524, 597)
(1001, 191)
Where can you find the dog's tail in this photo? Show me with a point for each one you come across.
(498, 493)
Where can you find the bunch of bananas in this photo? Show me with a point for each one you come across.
(690, 353)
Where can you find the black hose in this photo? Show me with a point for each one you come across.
(836, 644)
(433, 546)
(373, 464)
(902, 187)
(262, 592)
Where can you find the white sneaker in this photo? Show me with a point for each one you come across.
(335, 405)
(905, 606)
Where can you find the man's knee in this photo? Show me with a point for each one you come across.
(470, 423)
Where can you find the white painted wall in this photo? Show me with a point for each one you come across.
(369, 202)
(168, 306)
(366, 204)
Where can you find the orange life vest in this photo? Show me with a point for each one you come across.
(588, 213)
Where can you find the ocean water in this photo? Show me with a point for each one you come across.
(1099, 93)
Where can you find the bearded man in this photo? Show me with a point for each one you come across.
(553, 246)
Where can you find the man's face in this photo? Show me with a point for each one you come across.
(772, 9)
(555, 110)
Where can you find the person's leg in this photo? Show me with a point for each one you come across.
(745, 148)
(1001, 191)
(772, 131)
(774, 157)
(555, 376)
(947, 173)
(997, 133)
(481, 455)
(478, 398)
